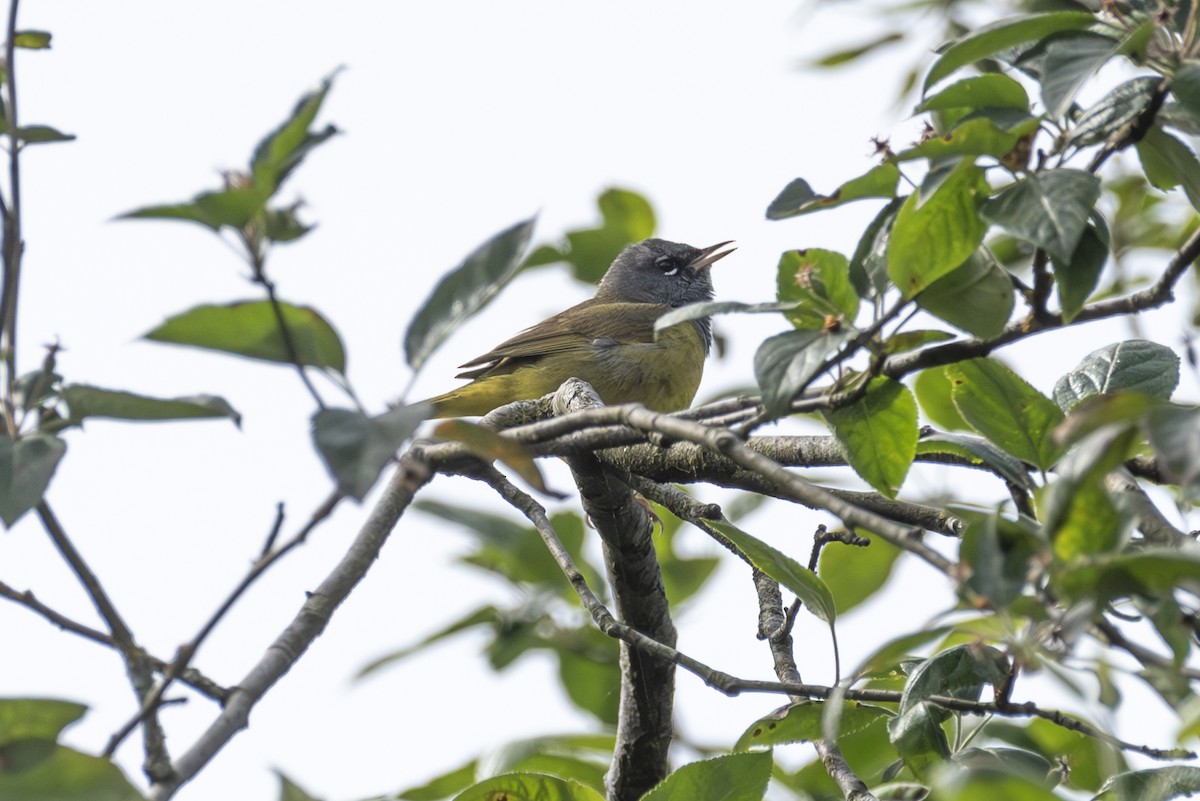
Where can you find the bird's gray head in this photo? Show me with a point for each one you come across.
(662, 272)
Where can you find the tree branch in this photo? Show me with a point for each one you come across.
(412, 474)
(187, 651)
(14, 245)
(157, 765)
(645, 724)
(191, 677)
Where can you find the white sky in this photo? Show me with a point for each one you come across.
(460, 119)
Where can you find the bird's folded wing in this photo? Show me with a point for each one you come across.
(581, 327)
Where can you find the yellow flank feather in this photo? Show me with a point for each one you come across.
(662, 375)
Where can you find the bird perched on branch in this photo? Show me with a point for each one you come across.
(608, 341)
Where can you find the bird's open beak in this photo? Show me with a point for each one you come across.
(710, 255)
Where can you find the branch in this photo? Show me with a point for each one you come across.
(645, 726)
(774, 629)
(1151, 522)
(412, 474)
(14, 246)
(1158, 294)
(258, 263)
(1008, 709)
(157, 765)
(1115, 637)
(603, 619)
(612, 426)
(188, 651)
(191, 677)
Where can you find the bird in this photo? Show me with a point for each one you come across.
(608, 341)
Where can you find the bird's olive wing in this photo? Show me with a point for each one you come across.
(576, 329)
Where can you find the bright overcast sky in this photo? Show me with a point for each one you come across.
(460, 119)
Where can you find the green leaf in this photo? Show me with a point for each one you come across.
(1168, 163)
(798, 197)
(36, 718)
(67, 775)
(1070, 60)
(582, 757)
(1174, 433)
(85, 401)
(491, 446)
(1186, 85)
(980, 134)
(1149, 572)
(998, 552)
(971, 785)
(879, 433)
(282, 150)
(919, 738)
(1081, 521)
(697, 311)
(984, 452)
(1098, 411)
(1136, 364)
(1153, 784)
(976, 296)
(528, 787)
(517, 552)
(250, 329)
(1115, 110)
(592, 681)
(282, 225)
(1090, 760)
(483, 616)
(984, 91)
(1001, 406)
(785, 363)
(1077, 512)
(626, 217)
(232, 207)
(186, 212)
(437, 788)
(733, 777)
(42, 135)
(26, 467)
(854, 574)
(819, 281)
(32, 40)
(807, 586)
(355, 447)
(868, 265)
(932, 236)
(465, 290)
(290, 791)
(1048, 209)
(960, 672)
(802, 722)
(912, 340)
(933, 390)
(991, 39)
(1077, 278)
(850, 54)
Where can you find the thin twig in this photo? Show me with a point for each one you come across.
(258, 265)
(187, 651)
(157, 764)
(411, 474)
(191, 677)
(13, 244)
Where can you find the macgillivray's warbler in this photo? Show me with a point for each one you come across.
(607, 341)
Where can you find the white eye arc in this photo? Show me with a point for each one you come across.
(667, 264)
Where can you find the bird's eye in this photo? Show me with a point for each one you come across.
(668, 264)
